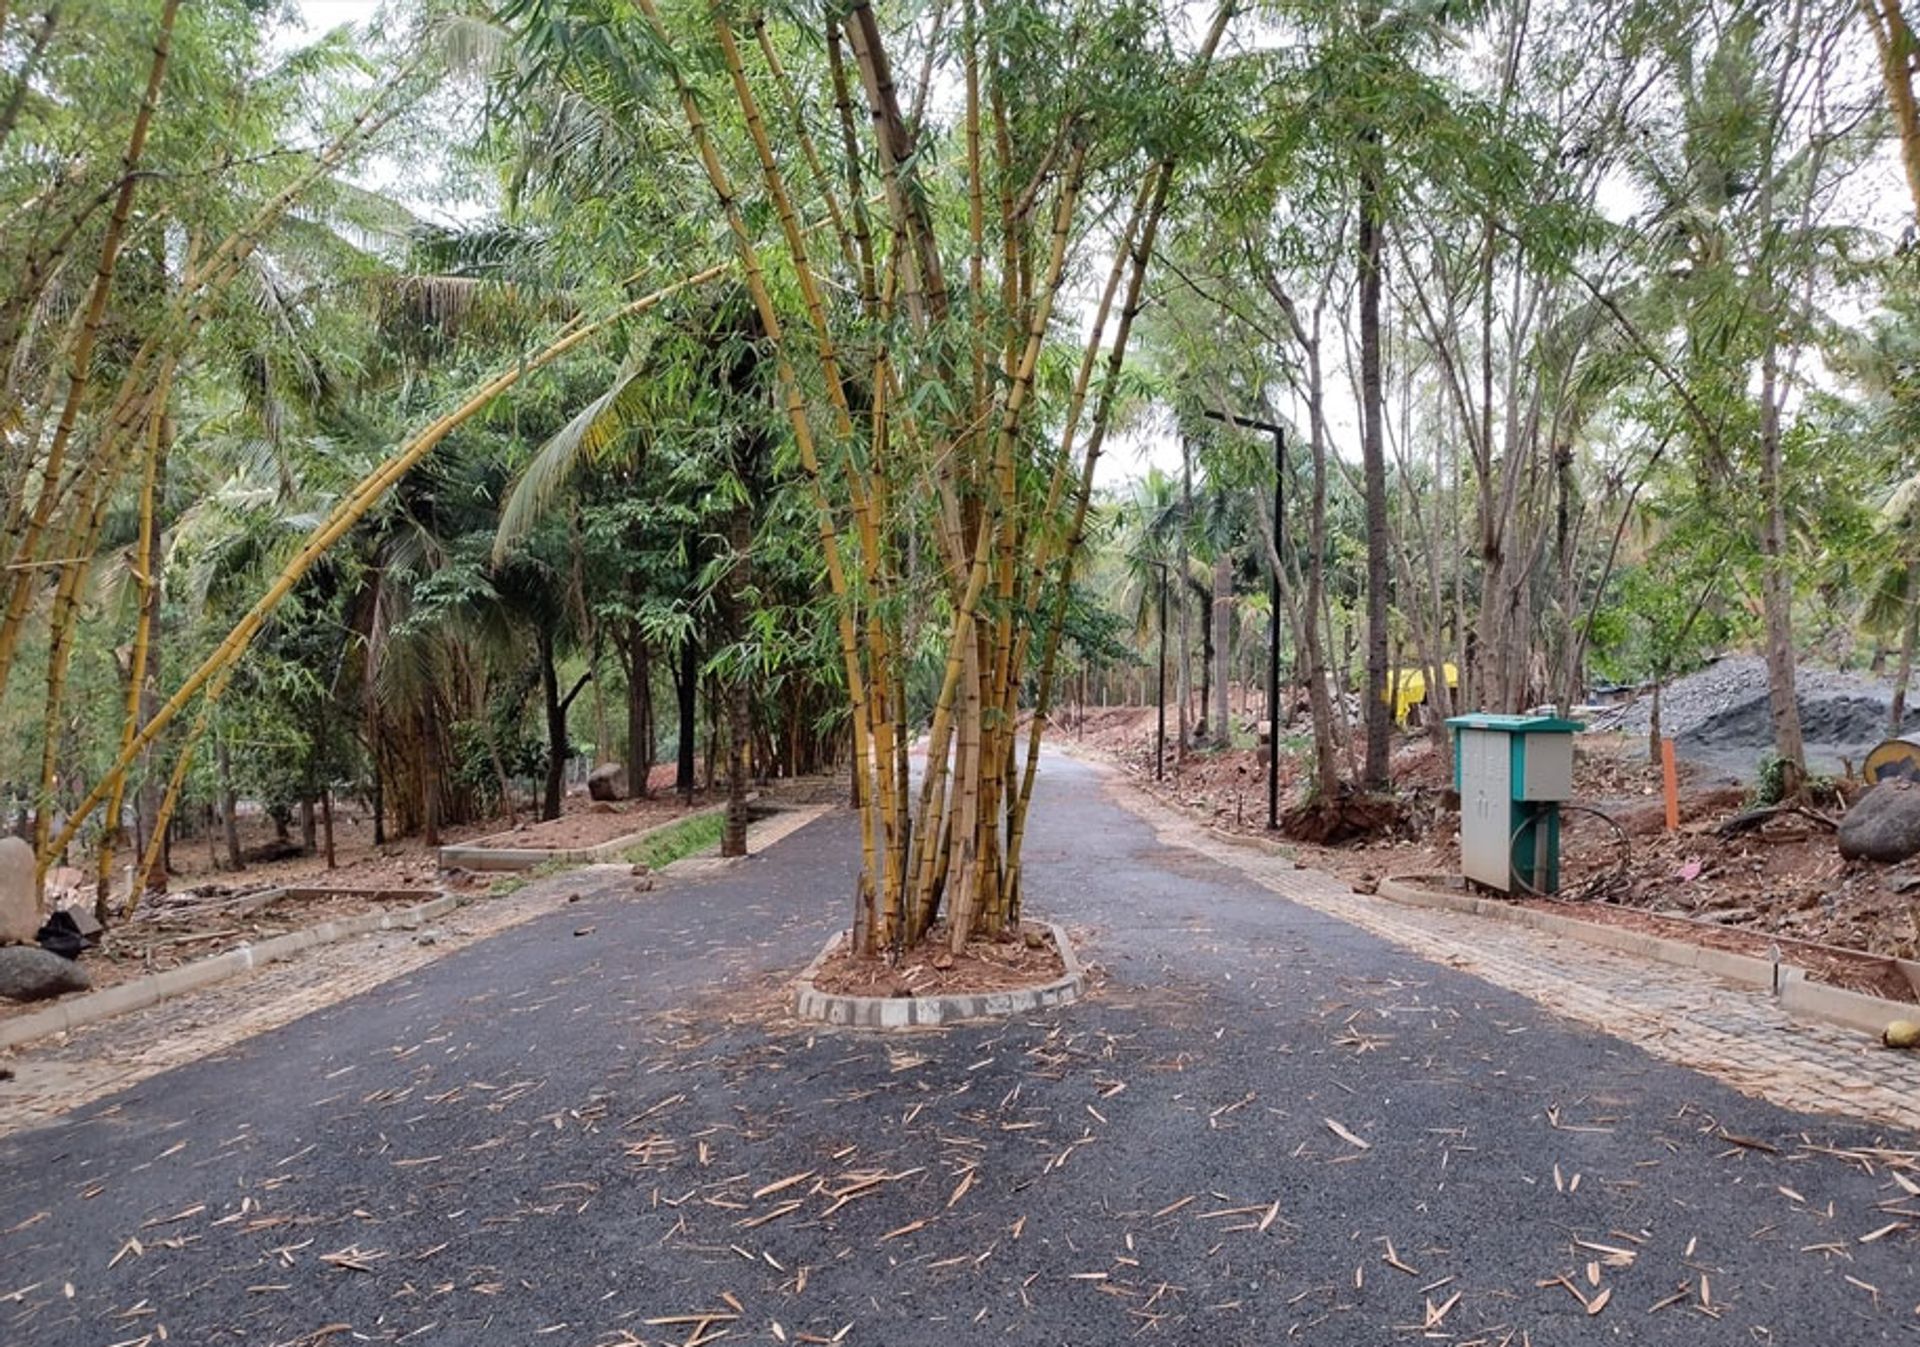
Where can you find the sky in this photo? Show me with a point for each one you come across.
(1879, 197)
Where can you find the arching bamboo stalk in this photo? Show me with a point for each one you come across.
(176, 781)
(142, 632)
(352, 508)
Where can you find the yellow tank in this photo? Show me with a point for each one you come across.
(1407, 688)
(1894, 758)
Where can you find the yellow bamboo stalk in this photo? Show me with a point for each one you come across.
(895, 140)
(850, 154)
(189, 310)
(1894, 41)
(143, 627)
(163, 816)
(822, 181)
(722, 185)
(349, 512)
(80, 358)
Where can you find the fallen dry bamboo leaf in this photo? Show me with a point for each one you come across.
(786, 1208)
(1684, 1293)
(1341, 1131)
(1599, 1302)
(1274, 1211)
(961, 1190)
(906, 1229)
(768, 1190)
(1435, 1316)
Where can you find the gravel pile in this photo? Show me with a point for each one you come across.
(1719, 716)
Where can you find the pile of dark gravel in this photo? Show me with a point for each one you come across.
(1718, 716)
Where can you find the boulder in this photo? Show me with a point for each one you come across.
(1884, 825)
(608, 781)
(19, 893)
(29, 973)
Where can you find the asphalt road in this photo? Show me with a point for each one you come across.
(1266, 1127)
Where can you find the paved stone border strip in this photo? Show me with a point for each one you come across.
(1737, 1034)
(903, 1012)
(481, 855)
(139, 993)
(1796, 990)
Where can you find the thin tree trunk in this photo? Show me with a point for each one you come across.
(686, 687)
(430, 774)
(1185, 680)
(326, 825)
(1377, 715)
(1222, 725)
(1776, 583)
(229, 804)
(556, 717)
(1909, 636)
(639, 712)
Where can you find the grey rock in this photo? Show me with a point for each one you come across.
(608, 781)
(1884, 825)
(29, 973)
(19, 893)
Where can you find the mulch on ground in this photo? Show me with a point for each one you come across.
(188, 927)
(930, 969)
(591, 824)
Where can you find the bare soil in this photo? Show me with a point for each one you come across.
(185, 928)
(1838, 967)
(585, 823)
(930, 970)
(1784, 880)
(209, 909)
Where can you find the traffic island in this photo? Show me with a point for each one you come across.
(919, 992)
(518, 850)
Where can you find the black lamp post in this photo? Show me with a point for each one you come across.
(1273, 618)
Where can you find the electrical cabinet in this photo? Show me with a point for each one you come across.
(1511, 773)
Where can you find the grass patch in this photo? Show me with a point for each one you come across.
(688, 837)
(518, 880)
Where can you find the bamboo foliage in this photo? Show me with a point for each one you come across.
(353, 507)
(944, 439)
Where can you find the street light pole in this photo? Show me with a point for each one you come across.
(1279, 434)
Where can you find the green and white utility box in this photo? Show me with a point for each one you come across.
(1512, 772)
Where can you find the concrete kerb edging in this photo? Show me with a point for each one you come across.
(905, 1012)
(143, 992)
(1798, 994)
(479, 855)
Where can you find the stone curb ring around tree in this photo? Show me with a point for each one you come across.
(905, 1012)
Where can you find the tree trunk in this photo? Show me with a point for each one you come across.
(639, 712)
(1909, 635)
(733, 838)
(556, 715)
(430, 775)
(1222, 724)
(1653, 721)
(229, 805)
(686, 687)
(309, 833)
(326, 825)
(1776, 584)
(1377, 714)
(1185, 680)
